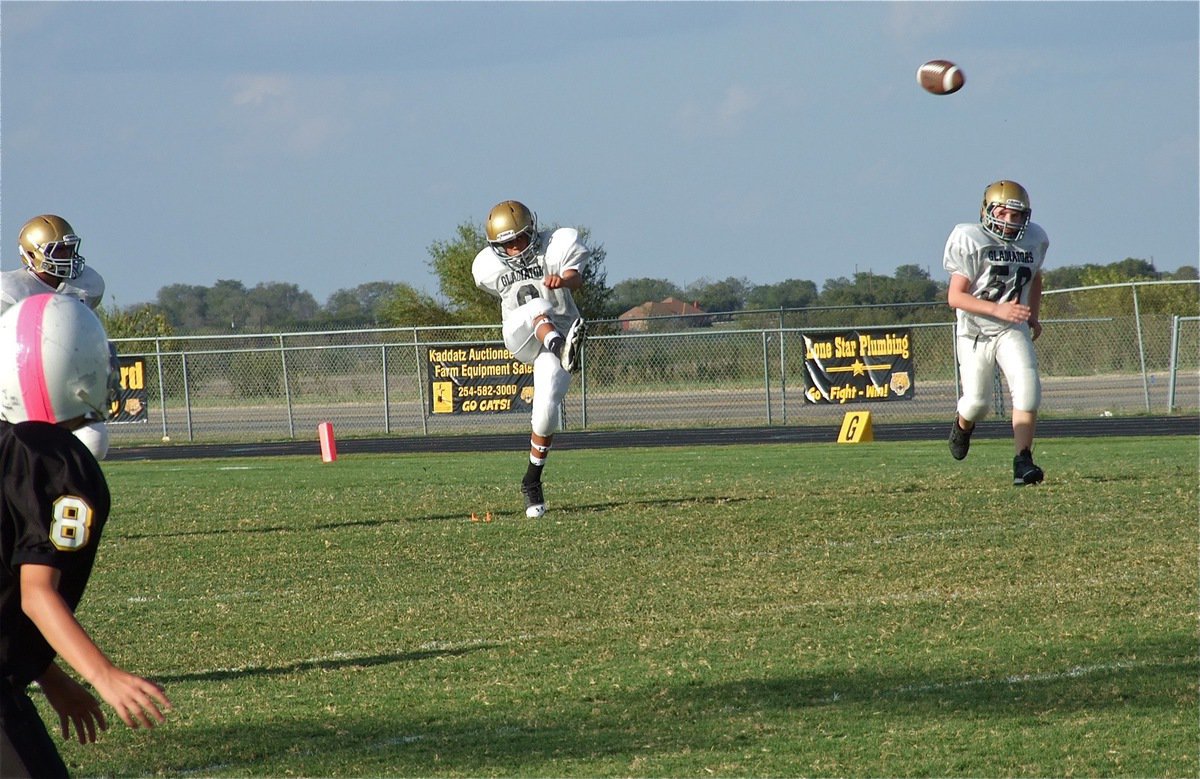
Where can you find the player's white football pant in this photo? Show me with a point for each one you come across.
(550, 384)
(550, 380)
(518, 329)
(95, 437)
(1013, 351)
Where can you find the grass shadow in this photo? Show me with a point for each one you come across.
(333, 664)
(609, 734)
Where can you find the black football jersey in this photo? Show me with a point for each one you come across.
(54, 502)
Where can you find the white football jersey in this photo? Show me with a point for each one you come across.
(20, 283)
(1000, 271)
(560, 251)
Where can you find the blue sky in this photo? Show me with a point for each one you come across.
(329, 144)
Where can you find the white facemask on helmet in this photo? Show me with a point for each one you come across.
(507, 224)
(55, 361)
(49, 245)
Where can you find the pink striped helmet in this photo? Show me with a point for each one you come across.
(55, 361)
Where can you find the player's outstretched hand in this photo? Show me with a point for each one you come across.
(75, 706)
(138, 702)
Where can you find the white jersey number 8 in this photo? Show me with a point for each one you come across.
(72, 523)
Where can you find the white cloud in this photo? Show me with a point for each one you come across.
(737, 103)
(281, 113)
(918, 21)
(723, 116)
(257, 90)
(312, 133)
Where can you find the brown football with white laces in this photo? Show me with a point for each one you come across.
(940, 77)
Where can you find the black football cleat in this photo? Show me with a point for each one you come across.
(573, 346)
(1024, 471)
(960, 440)
(535, 503)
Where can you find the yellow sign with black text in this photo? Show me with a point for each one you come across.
(856, 428)
(477, 379)
(131, 400)
(856, 366)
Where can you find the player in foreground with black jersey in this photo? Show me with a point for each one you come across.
(55, 368)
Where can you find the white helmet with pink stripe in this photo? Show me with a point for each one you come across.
(55, 361)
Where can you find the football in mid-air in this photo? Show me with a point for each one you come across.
(940, 77)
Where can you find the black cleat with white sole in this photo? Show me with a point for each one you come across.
(574, 345)
(535, 502)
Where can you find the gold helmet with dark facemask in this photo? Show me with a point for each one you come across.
(50, 245)
(507, 222)
(1010, 195)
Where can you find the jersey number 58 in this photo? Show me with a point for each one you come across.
(999, 280)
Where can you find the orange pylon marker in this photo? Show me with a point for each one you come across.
(487, 517)
(328, 445)
(474, 518)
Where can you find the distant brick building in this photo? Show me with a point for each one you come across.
(636, 318)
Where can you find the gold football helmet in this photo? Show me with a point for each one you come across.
(507, 222)
(50, 245)
(1005, 194)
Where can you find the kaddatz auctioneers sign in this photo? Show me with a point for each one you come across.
(477, 379)
(854, 366)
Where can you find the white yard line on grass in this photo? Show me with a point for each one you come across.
(1047, 676)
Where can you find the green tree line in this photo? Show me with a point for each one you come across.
(228, 306)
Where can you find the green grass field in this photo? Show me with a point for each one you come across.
(772, 610)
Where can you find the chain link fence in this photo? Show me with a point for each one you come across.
(744, 369)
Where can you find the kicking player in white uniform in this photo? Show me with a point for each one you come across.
(533, 274)
(996, 288)
(51, 262)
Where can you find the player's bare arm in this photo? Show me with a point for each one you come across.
(570, 278)
(137, 701)
(960, 297)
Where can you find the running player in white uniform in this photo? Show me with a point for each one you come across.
(51, 262)
(996, 289)
(533, 274)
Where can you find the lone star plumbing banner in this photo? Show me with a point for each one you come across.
(854, 366)
(477, 379)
